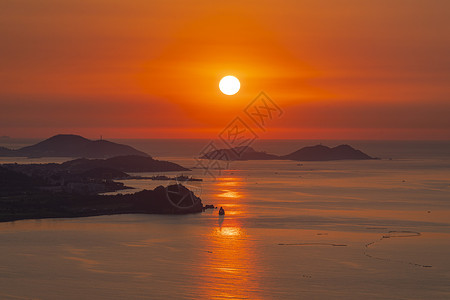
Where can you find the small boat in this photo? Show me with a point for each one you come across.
(221, 211)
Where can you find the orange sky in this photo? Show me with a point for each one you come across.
(339, 69)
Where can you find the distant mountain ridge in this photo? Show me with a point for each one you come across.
(129, 163)
(323, 153)
(239, 153)
(70, 145)
(311, 153)
(82, 174)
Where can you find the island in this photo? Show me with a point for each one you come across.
(311, 153)
(70, 145)
(128, 163)
(239, 153)
(76, 188)
(90, 176)
(324, 153)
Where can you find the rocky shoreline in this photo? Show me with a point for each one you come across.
(174, 199)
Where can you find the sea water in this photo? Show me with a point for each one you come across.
(376, 229)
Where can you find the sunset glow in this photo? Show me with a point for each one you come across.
(337, 71)
(173, 149)
(229, 85)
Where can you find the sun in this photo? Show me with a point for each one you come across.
(229, 85)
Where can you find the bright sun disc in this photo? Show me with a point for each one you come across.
(229, 85)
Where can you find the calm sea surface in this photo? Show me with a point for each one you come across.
(293, 230)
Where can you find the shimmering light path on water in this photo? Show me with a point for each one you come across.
(348, 230)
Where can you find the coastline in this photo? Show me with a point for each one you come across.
(43, 205)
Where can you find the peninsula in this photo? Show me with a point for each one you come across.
(26, 197)
(90, 176)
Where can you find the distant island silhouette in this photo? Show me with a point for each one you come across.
(324, 153)
(73, 188)
(311, 153)
(128, 163)
(70, 145)
(91, 175)
(239, 153)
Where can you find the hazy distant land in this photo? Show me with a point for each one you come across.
(312, 153)
(69, 145)
(72, 188)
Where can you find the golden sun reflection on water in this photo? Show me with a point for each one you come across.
(229, 262)
(229, 190)
(230, 181)
(228, 231)
(229, 194)
(230, 187)
(229, 267)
